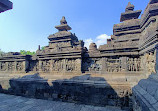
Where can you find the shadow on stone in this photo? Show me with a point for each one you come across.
(145, 94)
(79, 89)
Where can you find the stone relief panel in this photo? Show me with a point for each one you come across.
(12, 66)
(71, 65)
(134, 64)
(113, 65)
(58, 65)
(3, 66)
(44, 66)
(67, 65)
(90, 64)
(19, 66)
(148, 62)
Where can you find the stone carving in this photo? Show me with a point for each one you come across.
(3, 66)
(151, 62)
(126, 51)
(66, 65)
(113, 65)
(45, 66)
(134, 64)
(19, 66)
(92, 65)
(57, 65)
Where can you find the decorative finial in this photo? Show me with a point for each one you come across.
(129, 7)
(39, 48)
(63, 21)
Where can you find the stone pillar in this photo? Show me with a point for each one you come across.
(64, 65)
(40, 66)
(15, 64)
(104, 65)
(7, 66)
(24, 66)
(0, 65)
(124, 65)
(51, 65)
(78, 64)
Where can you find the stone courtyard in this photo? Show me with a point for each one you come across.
(17, 103)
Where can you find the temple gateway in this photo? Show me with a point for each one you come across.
(107, 75)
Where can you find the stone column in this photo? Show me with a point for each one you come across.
(78, 64)
(40, 66)
(6, 66)
(24, 66)
(15, 68)
(64, 65)
(104, 66)
(124, 65)
(51, 65)
(0, 65)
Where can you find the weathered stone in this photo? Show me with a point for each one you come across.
(90, 91)
(132, 49)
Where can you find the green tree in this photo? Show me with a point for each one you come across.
(23, 52)
(42, 48)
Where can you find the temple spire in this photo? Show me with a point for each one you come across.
(63, 21)
(130, 7)
(63, 25)
(130, 13)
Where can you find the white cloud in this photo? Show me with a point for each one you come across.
(100, 40)
(88, 42)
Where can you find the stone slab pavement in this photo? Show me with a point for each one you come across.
(18, 103)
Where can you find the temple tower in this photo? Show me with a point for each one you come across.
(64, 52)
(130, 13)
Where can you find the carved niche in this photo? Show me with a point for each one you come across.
(3, 66)
(11, 66)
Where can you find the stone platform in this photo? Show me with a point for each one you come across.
(145, 94)
(83, 89)
(17, 103)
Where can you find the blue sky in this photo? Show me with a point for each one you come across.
(30, 22)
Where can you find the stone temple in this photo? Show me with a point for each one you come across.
(110, 71)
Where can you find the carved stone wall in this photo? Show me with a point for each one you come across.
(134, 64)
(16, 66)
(92, 64)
(56, 65)
(148, 62)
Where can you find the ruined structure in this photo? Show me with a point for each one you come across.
(130, 53)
